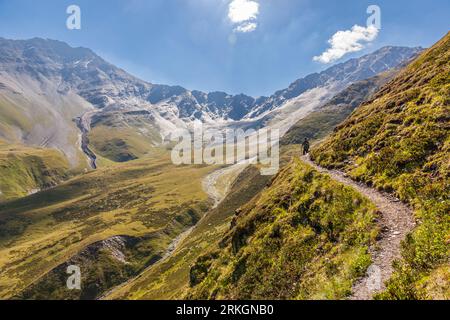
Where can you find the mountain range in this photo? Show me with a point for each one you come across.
(52, 84)
(140, 227)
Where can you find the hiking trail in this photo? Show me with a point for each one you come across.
(396, 221)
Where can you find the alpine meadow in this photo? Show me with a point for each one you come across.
(336, 187)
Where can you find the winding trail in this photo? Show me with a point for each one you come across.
(396, 221)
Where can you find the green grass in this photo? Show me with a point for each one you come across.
(170, 279)
(12, 115)
(149, 199)
(399, 142)
(305, 237)
(26, 169)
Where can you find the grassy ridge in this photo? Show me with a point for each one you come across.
(25, 170)
(149, 199)
(305, 237)
(399, 142)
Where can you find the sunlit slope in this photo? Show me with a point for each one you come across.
(148, 202)
(305, 237)
(399, 142)
(25, 170)
(171, 279)
(124, 136)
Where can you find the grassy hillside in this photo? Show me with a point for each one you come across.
(399, 142)
(12, 119)
(305, 237)
(147, 203)
(122, 137)
(25, 170)
(170, 279)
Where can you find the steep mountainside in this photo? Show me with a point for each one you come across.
(170, 279)
(286, 107)
(46, 84)
(322, 121)
(33, 113)
(348, 72)
(305, 237)
(399, 142)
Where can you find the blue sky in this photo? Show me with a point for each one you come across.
(201, 44)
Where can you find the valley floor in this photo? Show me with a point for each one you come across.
(149, 203)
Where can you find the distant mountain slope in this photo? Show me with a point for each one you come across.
(286, 107)
(46, 84)
(321, 122)
(33, 113)
(123, 136)
(105, 85)
(347, 72)
(400, 142)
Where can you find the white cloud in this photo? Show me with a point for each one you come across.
(243, 14)
(343, 42)
(246, 27)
